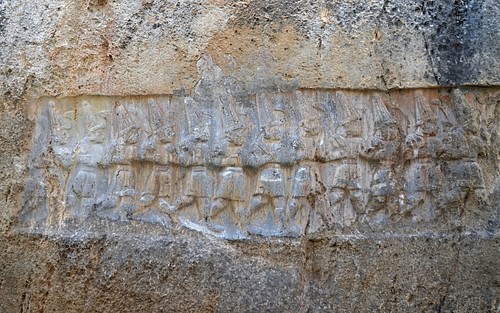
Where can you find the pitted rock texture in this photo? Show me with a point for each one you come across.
(60, 47)
(157, 272)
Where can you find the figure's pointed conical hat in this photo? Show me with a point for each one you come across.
(345, 111)
(381, 114)
(423, 111)
(156, 113)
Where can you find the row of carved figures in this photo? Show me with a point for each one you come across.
(273, 200)
(287, 164)
(283, 129)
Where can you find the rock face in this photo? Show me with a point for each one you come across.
(277, 164)
(275, 156)
(61, 47)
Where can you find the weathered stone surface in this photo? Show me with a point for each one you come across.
(185, 273)
(277, 164)
(256, 156)
(60, 47)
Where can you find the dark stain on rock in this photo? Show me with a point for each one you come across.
(454, 38)
(2, 20)
(98, 3)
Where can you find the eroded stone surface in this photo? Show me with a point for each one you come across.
(88, 224)
(277, 164)
(59, 47)
(156, 272)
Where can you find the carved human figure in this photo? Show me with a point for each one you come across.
(236, 132)
(150, 190)
(305, 212)
(95, 124)
(477, 137)
(267, 212)
(311, 132)
(423, 128)
(162, 135)
(35, 195)
(228, 211)
(86, 179)
(35, 205)
(275, 129)
(343, 129)
(195, 142)
(153, 196)
(382, 149)
(128, 134)
(462, 187)
(82, 193)
(195, 204)
(461, 146)
(236, 136)
(121, 203)
(462, 134)
(62, 135)
(256, 150)
(60, 124)
(155, 202)
(468, 119)
(282, 140)
(255, 153)
(275, 138)
(423, 184)
(349, 118)
(210, 79)
(345, 193)
(163, 127)
(420, 176)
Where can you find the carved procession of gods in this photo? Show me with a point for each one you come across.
(278, 164)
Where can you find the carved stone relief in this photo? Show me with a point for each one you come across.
(280, 164)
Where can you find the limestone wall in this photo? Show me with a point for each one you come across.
(273, 164)
(63, 48)
(229, 156)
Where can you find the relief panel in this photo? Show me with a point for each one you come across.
(278, 164)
